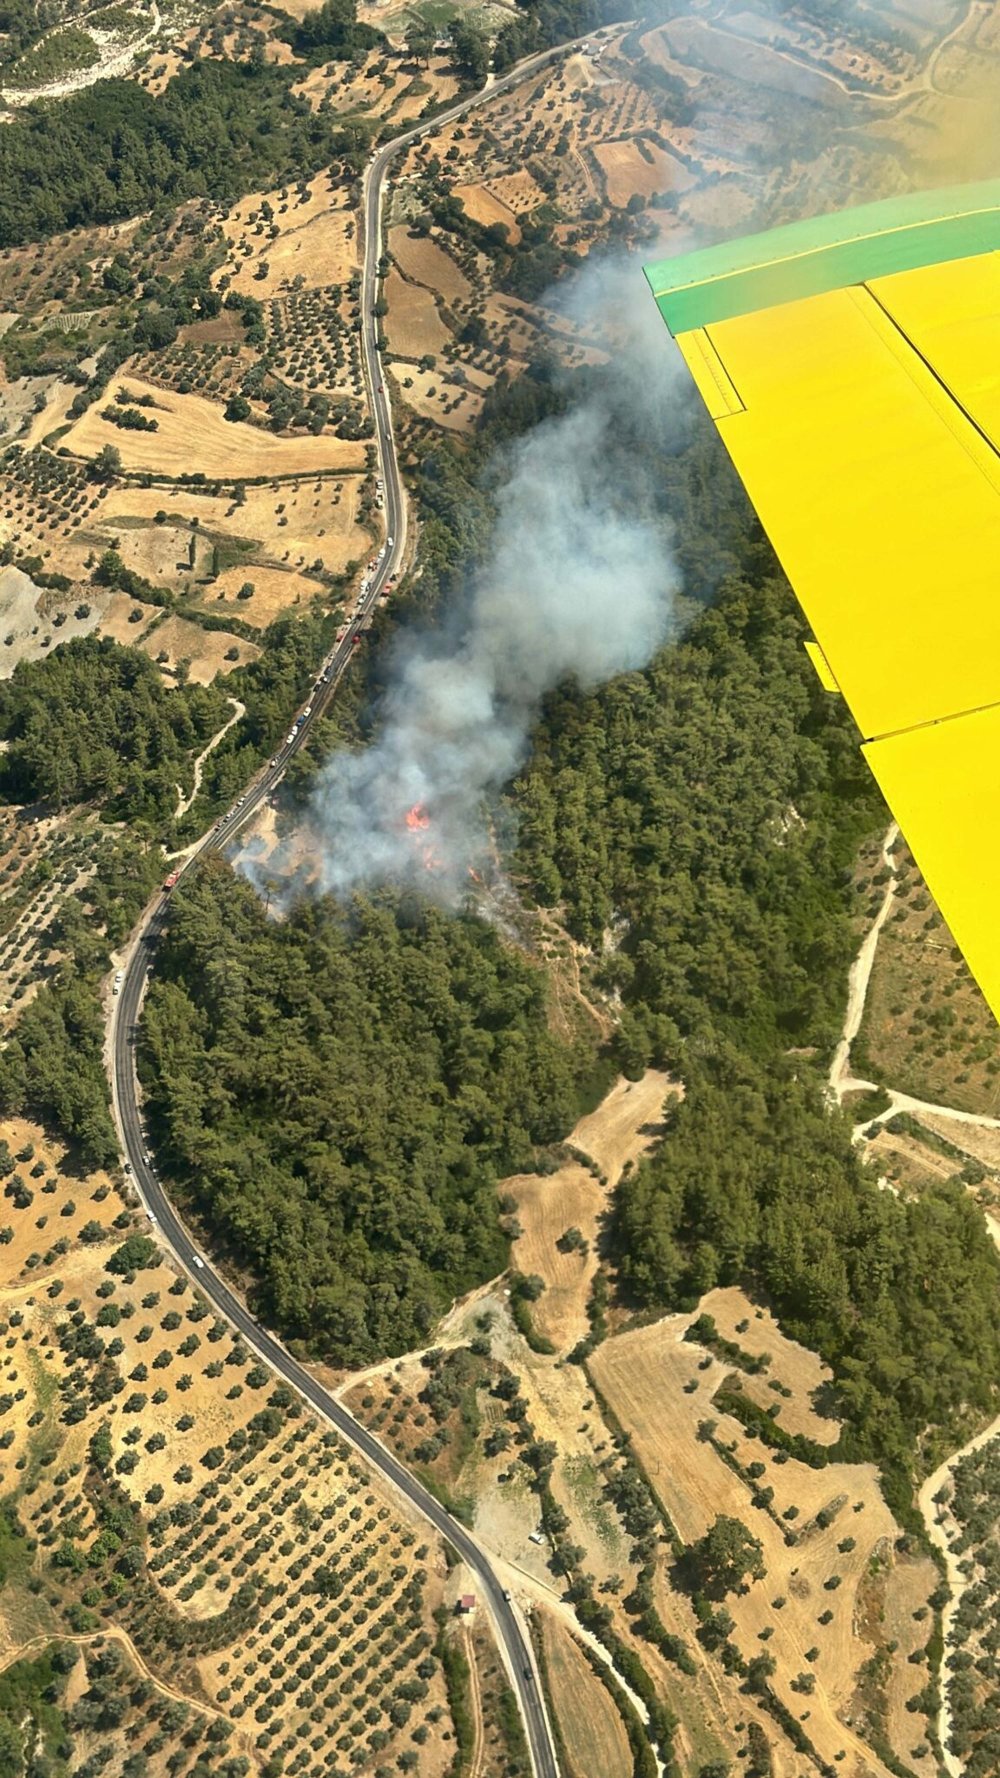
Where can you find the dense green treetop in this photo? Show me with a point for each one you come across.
(338, 1094)
(94, 721)
(220, 129)
(706, 813)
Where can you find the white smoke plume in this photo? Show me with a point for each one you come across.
(575, 582)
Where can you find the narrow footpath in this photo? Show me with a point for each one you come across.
(842, 1081)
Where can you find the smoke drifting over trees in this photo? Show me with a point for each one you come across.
(576, 582)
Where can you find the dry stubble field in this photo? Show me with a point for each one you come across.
(592, 1729)
(618, 1133)
(193, 436)
(809, 1611)
(309, 239)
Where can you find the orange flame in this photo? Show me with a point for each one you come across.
(418, 821)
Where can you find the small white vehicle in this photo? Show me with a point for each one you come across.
(199, 1262)
(536, 1537)
(152, 1215)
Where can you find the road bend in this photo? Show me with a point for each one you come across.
(126, 1006)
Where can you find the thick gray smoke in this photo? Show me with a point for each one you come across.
(574, 583)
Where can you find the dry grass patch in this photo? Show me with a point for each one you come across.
(311, 238)
(548, 1206)
(656, 1387)
(207, 652)
(480, 202)
(413, 324)
(275, 592)
(284, 525)
(224, 329)
(628, 1121)
(927, 1029)
(433, 398)
(628, 172)
(159, 553)
(593, 1732)
(193, 436)
(305, 523)
(793, 1366)
(58, 398)
(119, 620)
(615, 1135)
(422, 261)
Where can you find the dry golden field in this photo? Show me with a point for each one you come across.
(661, 1389)
(283, 526)
(622, 1128)
(209, 653)
(423, 261)
(311, 240)
(275, 591)
(435, 395)
(591, 1727)
(193, 436)
(546, 1208)
(627, 171)
(483, 205)
(798, 1370)
(414, 325)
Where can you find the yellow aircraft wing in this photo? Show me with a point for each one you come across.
(852, 367)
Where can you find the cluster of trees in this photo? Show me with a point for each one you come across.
(220, 129)
(53, 1063)
(32, 1726)
(331, 33)
(727, 889)
(971, 1659)
(93, 721)
(270, 687)
(725, 885)
(129, 419)
(338, 1095)
(22, 23)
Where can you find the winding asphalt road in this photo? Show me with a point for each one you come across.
(126, 1006)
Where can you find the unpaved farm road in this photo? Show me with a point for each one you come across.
(109, 1633)
(859, 976)
(125, 1009)
(184, 802)
(842, 1081)
(956, 1579)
